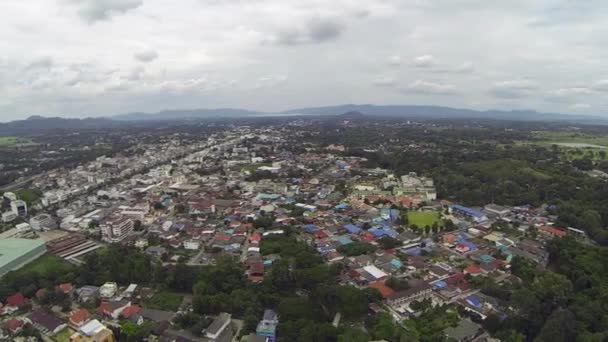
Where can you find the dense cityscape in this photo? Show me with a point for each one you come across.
(341, 228)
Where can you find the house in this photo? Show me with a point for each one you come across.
(130, 311)
(417, 291)
(268, 326)
(384, 290)
(464, 331)
(112, 309)
(552, 231)
(15, 301)
(220, 329)
(79, 317)
(87, 294)
(93, 331)
(13, 325)
(108, 290)
(46, 322)
(65, 288)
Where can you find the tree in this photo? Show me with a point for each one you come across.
(397, 284)
(560, 326)
(137, 226)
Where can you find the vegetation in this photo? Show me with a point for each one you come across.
(168, 301)
(356, 248)
(423, 218)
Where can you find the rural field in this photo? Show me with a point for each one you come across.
(14, 141)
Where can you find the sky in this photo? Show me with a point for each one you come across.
(81, 58)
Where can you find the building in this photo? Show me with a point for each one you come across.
(46, 323)
(43, 222)
(418, 290)
(8, 216)
(475, 215)
(192, 244)
(19, 208)
(220, 327)
(116, 229)
(16, 253)
(108, 290)
(93, 331)
(268, 326)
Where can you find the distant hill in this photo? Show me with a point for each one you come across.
(36, 124)
(187, 114)
(404, 111)
(438, 112)
(42, 124)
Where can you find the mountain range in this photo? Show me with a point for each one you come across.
(38, 123)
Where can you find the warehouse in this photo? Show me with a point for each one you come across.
(16, 253)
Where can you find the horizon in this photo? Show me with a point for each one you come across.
(261, 56)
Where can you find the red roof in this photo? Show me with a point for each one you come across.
(80, 316)
(130, 311)
(15, 300)
(65, 287)
(13, 324)
(222, 237)
(256, 237)
(368, 237)
(104, 308)
(473, 269)
(256, 268)
(553, 231)
(384, 290)
(321, 234)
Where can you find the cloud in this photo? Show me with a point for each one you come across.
(99, 10)
(580, 106)
(146, 56)
(427, 87)
(425, 61)
(464, 68)
(572, 91)
(385, 81)
(513, 89)
(44, 63)
(316, 30)
(134, 74)
(601, 85)
(394, 61)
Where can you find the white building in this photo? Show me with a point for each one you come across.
(19, 208)
(192, 244)
(108, 290)
(8, 216)
(43, 222)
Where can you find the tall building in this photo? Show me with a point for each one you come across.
(19, 207)
(268, 325)
(116, 229)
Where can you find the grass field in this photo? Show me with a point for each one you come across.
(551, 138)
(168, 301)
(14, 141)
(48, 264)
(423, 218)
(64, 335)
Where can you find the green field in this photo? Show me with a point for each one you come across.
(14, 141)
(550, 138)
(48, 265)
(168, 301)
(423, 218)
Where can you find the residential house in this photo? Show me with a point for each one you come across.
(47, 323)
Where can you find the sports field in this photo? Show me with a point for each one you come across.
(423, 218)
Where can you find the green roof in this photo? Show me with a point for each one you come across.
(12, 249)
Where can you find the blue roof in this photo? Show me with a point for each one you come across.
(468, 211)
(383, 232)
(473, 300)
(268, 196)
(344, 240)
(351, 228)
(396, 263)
(469, 244)
(341, 206)
(441, 284)
(311, 228)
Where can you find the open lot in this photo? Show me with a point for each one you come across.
(423, 218)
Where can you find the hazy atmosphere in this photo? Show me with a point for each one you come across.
(78, 58)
